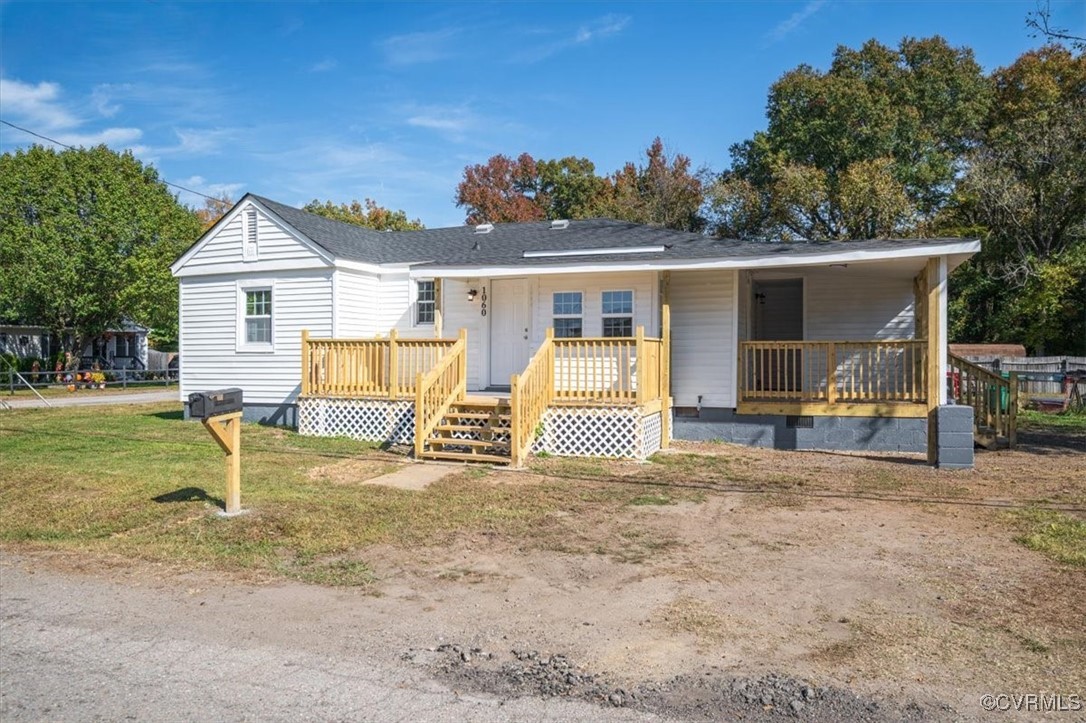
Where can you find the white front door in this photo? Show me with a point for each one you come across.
(510, 347)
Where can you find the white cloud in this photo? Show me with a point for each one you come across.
(421, 47)
(603, 27)
(104, 95)
(324, 66)
(201, 185)
(119, 137)
(452, 121)
(36, 105)
(793, 21)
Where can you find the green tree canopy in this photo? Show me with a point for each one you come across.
(367, 214)
(87, 237)
(1024, 194)
(867, 148)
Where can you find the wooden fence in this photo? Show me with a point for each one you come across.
(1041, 376)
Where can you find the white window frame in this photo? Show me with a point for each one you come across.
(568, 316)
(632, 315)
(250, 228)
(243, 289)
(418, 302)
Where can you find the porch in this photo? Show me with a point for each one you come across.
(604, 396)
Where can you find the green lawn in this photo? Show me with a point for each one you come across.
(139, 482)
(1031, 419)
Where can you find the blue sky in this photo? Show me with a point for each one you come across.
(337, 101)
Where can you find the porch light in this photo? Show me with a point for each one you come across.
(471, 295)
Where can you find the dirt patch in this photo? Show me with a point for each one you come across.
(350, 471)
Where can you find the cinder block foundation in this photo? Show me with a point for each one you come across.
(953, 437)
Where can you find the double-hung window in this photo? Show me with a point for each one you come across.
(257, 326)
(568, 311)
(617, 308)
(427, 302)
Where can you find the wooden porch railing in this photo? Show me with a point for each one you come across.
(368, 367)
(529, 395)
(994, 399)
(833, 372)
(438, 389)
(584, 371)
(608, 370)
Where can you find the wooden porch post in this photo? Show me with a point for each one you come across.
(550, 363)
(640, 365)
(665, 362)
(393, 365)
(305, 362)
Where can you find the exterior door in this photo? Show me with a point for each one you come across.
(778, 316)
(510, 347)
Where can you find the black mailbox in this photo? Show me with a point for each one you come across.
(203, 405)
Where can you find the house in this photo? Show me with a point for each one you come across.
(122, 347)
(591, 337)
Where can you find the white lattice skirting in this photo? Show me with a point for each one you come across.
(620, 432)
(372, 420)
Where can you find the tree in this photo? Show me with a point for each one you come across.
(1040, 23)
(367, 214)
(86, 239)
(870, 147)
(662, 192)
(214, 209)
(507, 190)
(1024, 193)
(502, 190)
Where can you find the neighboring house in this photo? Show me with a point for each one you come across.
(621, 335)
(124, 347)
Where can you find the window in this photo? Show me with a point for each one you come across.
(618, 313)
(568, 321)
(427, 303)
(258, 317)
(250, 232)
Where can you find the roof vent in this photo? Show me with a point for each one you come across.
(484, 228)
(559, 224)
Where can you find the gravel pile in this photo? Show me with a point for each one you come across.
(712, 696)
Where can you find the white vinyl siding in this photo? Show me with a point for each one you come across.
(274, 243)
(849, 304)
(642, 283)
(703, 351)
(459, 313)
(357, 304)
(209, 313)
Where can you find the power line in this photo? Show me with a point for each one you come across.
(54, 141)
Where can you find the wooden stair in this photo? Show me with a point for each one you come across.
(474, 430)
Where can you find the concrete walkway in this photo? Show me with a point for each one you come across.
(415, 477)
(78, 399)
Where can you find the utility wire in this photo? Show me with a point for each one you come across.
(53, 140)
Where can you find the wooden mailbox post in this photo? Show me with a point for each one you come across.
(220, 412)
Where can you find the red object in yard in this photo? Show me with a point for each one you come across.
(954, 380)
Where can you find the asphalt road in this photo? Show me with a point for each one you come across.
(79, 648)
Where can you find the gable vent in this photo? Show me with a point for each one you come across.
(250, 244)
(484, 228)
(559, 224)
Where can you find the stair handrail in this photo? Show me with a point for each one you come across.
(438, 389)
(984, 390)
(530, 393)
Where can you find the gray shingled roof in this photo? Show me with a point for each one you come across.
(506, 244)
